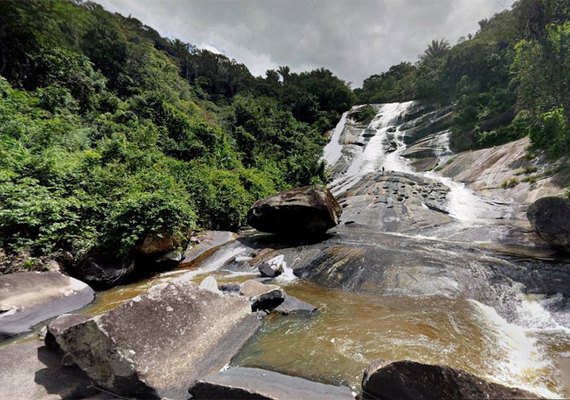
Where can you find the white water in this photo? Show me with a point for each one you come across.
(464, 205)
(523, 360)
(333, 149)
(373, 158)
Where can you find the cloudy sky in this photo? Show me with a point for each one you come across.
(353, 38)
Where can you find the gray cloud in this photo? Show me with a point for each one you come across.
(353, 38)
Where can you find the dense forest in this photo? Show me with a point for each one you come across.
(109, 132)
(509, 80)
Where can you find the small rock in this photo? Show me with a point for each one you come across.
(210, 284)
(102, 271)
(292, 305)
(273, 267)
(230, 287)
(262, 296)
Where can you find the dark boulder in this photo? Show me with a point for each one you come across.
(550, 218)
(259, 384)
(292, 305)
(309, 210)
(409, 380)
(102, 271)
(157, 344)
(28, 298)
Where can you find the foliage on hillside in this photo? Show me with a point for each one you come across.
(509, 80)
(109, 132)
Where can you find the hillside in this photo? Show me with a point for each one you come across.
(110, 132)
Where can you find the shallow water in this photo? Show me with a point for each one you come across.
(351, 330)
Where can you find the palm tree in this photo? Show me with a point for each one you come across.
(437, 48)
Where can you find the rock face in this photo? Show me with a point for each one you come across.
(309, 210)
(28, 298)
(408, 380)
(258, 384)
(159, 343)
(550, 218)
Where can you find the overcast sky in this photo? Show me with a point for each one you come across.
(353, 38)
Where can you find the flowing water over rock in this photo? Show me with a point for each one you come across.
(437, 273)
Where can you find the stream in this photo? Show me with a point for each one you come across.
(417, 275)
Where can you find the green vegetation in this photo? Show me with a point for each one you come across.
(109, 132)
(509, 80)
(365, 114)
(510, 183)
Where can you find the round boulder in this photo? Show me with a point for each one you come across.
(305, 211)
(550, 218)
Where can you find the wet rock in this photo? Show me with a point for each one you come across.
(273, 267)
(262, 296)
(292, 305)
(310, 210)
(28, 298)
(157, 344)
(437, 121)
(550, 218)
(204, 245)
(253, 383)
(30, 370)
(408, 380)
(102, 271)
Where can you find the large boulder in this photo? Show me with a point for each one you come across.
(259, 384)
(409, 380)
(157, 344)
(28, 298)
(550, 218)
(310, 210)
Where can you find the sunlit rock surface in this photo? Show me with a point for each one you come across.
(157, 344)
(27, 298)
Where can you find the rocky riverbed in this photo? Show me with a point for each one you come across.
(432, 261)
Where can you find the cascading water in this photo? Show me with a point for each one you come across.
(526, 340)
